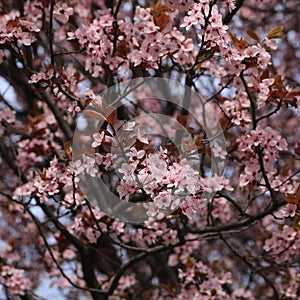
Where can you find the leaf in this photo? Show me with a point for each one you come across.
(222, 99)
(292, 94)
(162, 21)
(121, 295)
(294, 199)
(182, 119)
(291, 199)
(250, 61)
(88, 101)
(276, 32)
(234, 146)
(297, 150)
(122, 49)
(229, 135)
(111, 119)
(253, 34)
(298, 192)
(265, 75)
(215, 264)
(197, 144)
(240, 43)
(94, 115)
(42, 173)
(157, 9)
(224, 122)
(68, 148)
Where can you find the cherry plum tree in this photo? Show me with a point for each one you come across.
(230, 234)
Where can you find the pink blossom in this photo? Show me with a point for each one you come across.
(289, 210)
(128, 126)
(136, 155)
(14, 280)
(24, 38)
(62, 12)
(230, 4)
(218, 151)
(98, 139)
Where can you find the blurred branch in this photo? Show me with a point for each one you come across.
(242, 225)
(243, 258)
(65, 127)
(51, 32)
(252, 101)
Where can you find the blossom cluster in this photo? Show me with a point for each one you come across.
(264, 142)
(15, 280)
(208, 235)
(210, 283)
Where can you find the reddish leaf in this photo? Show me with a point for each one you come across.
(162, 21)
(297, 150)
(182, 119)
(253, 34)
(289, 198)
(294, 199)
(275, 32)
(94, 114)
(240, 43)
(292, 94)
(224, 122)
(111, 119)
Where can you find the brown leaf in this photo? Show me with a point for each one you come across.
(224, 122)
(240, 43)
(94, 114)
(42, 173)
(289, 198)
(68, 149)
(276, 32)
(162, 21)
(157, 8)
(297, 150)
(253, 34)
(182, 119)
(294, 199)
(229, 135)
(111, 119)
(292, 94)
(122, 50)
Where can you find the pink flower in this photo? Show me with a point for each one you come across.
(163, 199)
(170, 237)
(289, 210)
(215, 184)
(69, 254)
(127, 188)
(195, 17)
(188, 208)
(264, 91)
(230, 4)
(218, 151)
(98, 139)
(42, 76)
(92, 235)
(24, 37)
(118, 227)
(136, 155)
(216, 18)
(143, 14)
(29, 25)
(128, 126)
(15, 280)
(62, 12)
